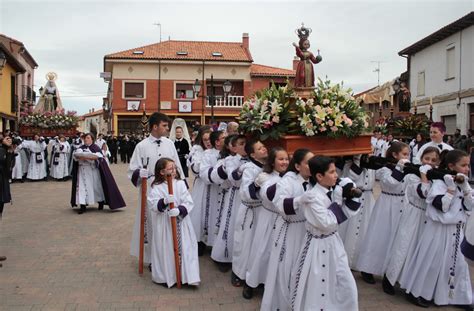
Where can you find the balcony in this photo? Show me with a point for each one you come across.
(28, 95)
(231, 102)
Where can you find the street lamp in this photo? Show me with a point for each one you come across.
(227, 88)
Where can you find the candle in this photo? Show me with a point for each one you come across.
(431, 101)
(416, 101)
(144, 106)
(380, 102)
(391, 100)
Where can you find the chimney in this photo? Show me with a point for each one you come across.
(296, 60)
(92, 109)
(245, 40)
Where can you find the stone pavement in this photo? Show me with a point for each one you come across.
(59, 260)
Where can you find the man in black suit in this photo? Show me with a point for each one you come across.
(182, 147)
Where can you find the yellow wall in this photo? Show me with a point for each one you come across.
(5, 90)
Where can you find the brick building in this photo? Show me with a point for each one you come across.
(160, 77)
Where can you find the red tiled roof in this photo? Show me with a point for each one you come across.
(196, 50)
(94, 113)
(257, 70)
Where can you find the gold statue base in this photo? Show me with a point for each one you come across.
(304, 92)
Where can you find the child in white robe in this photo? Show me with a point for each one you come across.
(322, 279)
(413, 218)
(199, 189)
(352, 231)
(277, 163)
(246, 213)
(162, 252)
(377, 245)
(289, 231)
(223, 244)
(438, 270)
(210, 208)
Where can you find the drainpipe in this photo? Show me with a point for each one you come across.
(159, 85)
(203, 99)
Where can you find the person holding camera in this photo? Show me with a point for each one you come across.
(37, 166)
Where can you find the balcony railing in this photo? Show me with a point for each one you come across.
(27, 94)
(230, 102)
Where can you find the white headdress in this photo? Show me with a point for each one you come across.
(178, 122)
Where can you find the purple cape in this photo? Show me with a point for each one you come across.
(113, 197)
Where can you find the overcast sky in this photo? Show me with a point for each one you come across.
(72, 37)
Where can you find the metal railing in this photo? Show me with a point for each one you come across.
(27, 94)
(230, 102)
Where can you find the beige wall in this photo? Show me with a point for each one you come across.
(190, 72)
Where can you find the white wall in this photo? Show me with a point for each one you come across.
(432, 60)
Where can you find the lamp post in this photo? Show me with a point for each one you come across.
(227, 88)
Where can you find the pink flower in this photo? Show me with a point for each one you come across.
(267, 124)
(334, 128)
(309, 125)
(322, 129)
(330, 122)
(276, 119)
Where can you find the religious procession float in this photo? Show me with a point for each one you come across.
(325, 118)
(48, 117)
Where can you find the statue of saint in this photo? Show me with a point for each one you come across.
(49, 96)
(304, 71)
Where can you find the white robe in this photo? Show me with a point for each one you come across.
(149, 150)
(61, 153)
(417, 158)
(199, 188)
(230, 181)
(17, 171)
(245, 218)
(377, 245)
(36, 171)
(322, 279)
(438, 269)
(162, 252)
(89, 186)
(211, 205)
(409, 230)
(262, 242)
(288, 237)
(352, 231)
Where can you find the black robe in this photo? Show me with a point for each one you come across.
(7, 161)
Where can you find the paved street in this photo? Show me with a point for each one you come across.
(59, 260)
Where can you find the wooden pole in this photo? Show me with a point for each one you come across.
(177, 260)
(142, 220)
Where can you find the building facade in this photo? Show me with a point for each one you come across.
(93, 122)
(22, 81)
(160, 77)
(441, 68)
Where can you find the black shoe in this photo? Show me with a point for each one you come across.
(201, 248)
(149, 267)
(101, 206)
(235, 280)
(368, 278)
(82, 210)
(418, 301)
(224, 266)
(3, 258)
(466, 307)
(387, 287)
(247, 292)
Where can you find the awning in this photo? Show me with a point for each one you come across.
(383, 91)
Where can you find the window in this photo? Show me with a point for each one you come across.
(216, 54)
(421, 84)
(134, 90)
(450, 63)
(450, 123)
(184, 90)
